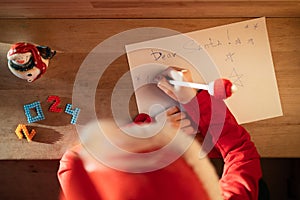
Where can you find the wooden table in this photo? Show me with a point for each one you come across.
(75, 38)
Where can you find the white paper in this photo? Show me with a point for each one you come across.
(239, 52)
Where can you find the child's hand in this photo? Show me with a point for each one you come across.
(179, 119)
(178, 93)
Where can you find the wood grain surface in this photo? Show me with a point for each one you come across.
(148, 9)
(75, 31)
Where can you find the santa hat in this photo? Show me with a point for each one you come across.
(23, 47)
(114, 149)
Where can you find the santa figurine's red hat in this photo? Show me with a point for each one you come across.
(38, 57)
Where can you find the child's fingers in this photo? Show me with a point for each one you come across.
(189, 130)
(179, 74)
(172, 110)
(179, 120)
(185, 122)
(165, 83)
(166, 87)
(174, 73)
(167, 72)
(178, 93)
(176, 117)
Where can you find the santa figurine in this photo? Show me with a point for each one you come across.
(28, 61)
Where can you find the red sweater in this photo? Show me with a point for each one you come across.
(178, 180)
(242, 169)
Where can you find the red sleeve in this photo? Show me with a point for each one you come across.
(242, 169)
(74, 180)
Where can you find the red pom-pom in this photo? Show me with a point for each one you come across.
(142, 118)
(222, 88)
